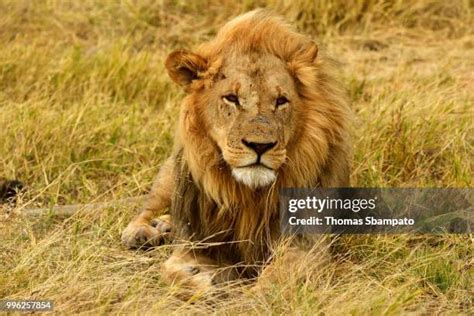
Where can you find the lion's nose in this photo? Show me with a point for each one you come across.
(259, 148)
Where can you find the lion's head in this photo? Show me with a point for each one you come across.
(261, 106)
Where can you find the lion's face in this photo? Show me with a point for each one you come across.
(248, 113)
(247, 110)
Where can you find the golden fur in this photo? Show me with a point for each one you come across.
(259, 58)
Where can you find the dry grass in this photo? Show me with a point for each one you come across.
(87, 113)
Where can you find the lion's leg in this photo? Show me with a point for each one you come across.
(196, 272)
(145, 229)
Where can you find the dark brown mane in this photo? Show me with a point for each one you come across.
(199, 219)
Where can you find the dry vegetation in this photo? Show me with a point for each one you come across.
(87, 113)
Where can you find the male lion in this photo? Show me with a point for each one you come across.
(262, 112)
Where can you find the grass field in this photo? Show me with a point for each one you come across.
(87, 114)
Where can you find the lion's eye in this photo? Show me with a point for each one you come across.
(281, 101)
(232, 98)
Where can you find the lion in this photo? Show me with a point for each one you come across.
(263, 111)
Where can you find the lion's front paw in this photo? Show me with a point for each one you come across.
(163, 224)
(142, 236)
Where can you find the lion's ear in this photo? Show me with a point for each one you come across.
(302, 62)
(307, 54)
(184, 67)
